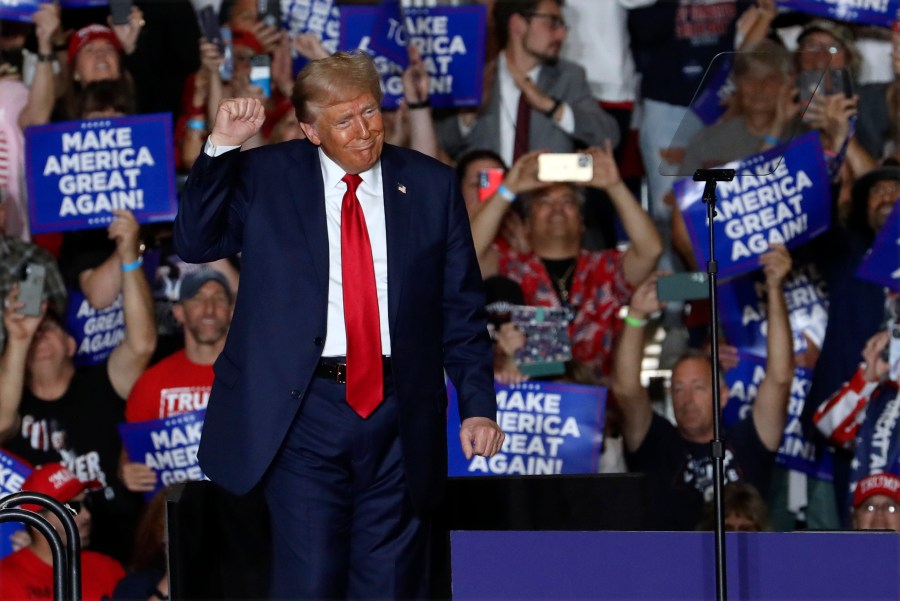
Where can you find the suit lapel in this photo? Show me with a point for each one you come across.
(399, 194)
(308, 191)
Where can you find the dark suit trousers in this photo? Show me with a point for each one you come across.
(343, 526)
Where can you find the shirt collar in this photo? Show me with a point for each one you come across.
(332, 174)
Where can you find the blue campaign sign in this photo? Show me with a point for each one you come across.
(796, 452)
(13, 473)
(744, 311)
(169, 446)
(96, 332)
(709, 104)
(867, 12)
(79, 171)
(882, 263)
(551, 428)
(780, 196)
(319, 17)
(389, 35)
(450, 40)
(18, 10)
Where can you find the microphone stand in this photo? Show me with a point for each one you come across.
(711, 176)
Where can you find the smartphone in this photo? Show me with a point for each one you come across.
(839, 81)
(226, 69)
(31, 288)
(261, 73)
(488, 182)
(547, 343)
(120, 10)
(208, 22)
(269, 11)
(807, 84)
(690, 285)
(565, 167)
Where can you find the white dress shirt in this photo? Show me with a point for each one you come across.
(371, 197)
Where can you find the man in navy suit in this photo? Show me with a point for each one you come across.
(351, 460)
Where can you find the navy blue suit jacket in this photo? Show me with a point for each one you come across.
(269, 204)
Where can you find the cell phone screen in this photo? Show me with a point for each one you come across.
(119, 10)
(488, 182)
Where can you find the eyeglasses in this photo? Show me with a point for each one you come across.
(556, 22)
(820, 47)
(888, 507)
(885, 189)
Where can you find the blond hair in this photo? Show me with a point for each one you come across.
(337, 78)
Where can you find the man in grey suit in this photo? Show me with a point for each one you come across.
(533, 95)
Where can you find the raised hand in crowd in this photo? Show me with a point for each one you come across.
(128, 33)
(646, 245)
(42, 91)
(787, 108)
(237, 120)
(830, 114)
(416, 81)
(283, 65)
(20, 331)
(416, 110)
(272, 37)
(770, 406)
(309, 46)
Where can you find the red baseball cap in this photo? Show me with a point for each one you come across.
(55, 480)
(877, 484)
(88, 34)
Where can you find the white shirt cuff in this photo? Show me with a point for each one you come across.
(213, 151)
(567, 122)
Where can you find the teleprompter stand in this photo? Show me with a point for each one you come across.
(711, 176)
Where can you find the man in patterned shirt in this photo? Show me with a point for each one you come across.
(559, 271)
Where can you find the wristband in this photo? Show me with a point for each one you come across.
(507, 194)
(424, 104)
(197, 124)
(134, 265)
(771, 140)
(556, 104)
(635, 321)
(45, 58)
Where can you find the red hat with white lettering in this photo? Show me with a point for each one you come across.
(55, 480)
(877, 484)
(88, 34)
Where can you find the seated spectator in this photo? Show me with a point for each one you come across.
(27, 574)
(745, 510)
(876, 503)
(678, 457)
(558, 271)
(51, 411)
(534, 99)
(15, 254)
(181, 382)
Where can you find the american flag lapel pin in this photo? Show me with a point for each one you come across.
(401, 188)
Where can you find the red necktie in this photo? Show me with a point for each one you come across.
(523, 124)
(365, 375)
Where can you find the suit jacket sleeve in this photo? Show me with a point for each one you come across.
(468, 357)
(213, 206)
(593, 125)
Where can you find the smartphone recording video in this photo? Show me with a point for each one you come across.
(565, 167)
(488, 182)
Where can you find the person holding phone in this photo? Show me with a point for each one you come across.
(51, 411)
(557, 270)
(359, 287)
(677, 457)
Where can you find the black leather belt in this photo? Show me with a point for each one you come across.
(335, 368)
